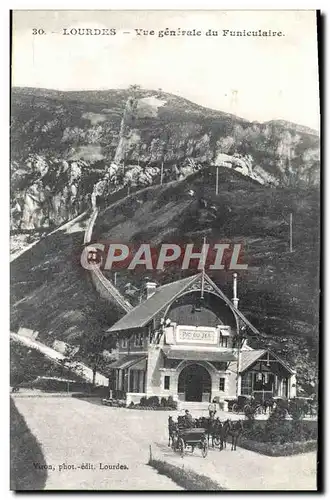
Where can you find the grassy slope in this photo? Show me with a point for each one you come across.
(51, 293)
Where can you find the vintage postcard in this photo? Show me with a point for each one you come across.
(165, 247)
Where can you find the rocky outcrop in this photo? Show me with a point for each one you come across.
(71, 148)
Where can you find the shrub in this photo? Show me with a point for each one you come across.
(143, 401)
(163, 402)
(254, 430)
(153, 401)
(298, 408)
(278, 450)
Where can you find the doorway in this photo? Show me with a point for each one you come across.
(195, 383)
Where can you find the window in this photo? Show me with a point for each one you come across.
(124, 342)
(166, 382)
(246, 388)
(224, 341)
(285, 387)
(138, 339)
(222, 384)
(150, 331)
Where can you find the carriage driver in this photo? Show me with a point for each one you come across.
(188, 420)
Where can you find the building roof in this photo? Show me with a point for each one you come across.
(249, 357)
(162, 297)
(144, 312)
(128, 361)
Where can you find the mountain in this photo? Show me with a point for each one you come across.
(72, 151)
(67, 147)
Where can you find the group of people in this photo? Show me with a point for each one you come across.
(189, 421)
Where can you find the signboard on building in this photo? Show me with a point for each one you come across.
(196, 335)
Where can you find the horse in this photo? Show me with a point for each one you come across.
(268, 404)
(218, 434)
(234, 429)
(172, 430)
(209, 427)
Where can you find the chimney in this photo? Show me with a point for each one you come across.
(150, 289)
(235, 299)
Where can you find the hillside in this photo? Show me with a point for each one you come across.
(67, 147)
(280, 297)
(52, 294)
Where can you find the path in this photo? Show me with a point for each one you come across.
(76, 431)
(246, 470)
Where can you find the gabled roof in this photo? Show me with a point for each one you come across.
(144, 312)
(248, 358)
(163, 296)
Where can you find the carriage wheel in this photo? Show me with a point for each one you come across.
(247, 409)
(259, 409)
(286, 413)
(235, 408)
(204, 448)
(181, 447)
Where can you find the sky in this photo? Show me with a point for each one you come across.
(256, 78)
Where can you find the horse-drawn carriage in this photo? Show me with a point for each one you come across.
(199, 435)
(250, 406)
(193, 438)
(246, 405)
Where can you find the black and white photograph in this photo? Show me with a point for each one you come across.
(165, 250)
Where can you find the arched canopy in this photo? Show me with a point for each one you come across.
(190, 309)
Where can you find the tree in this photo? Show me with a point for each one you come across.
(92, 352)
(70, 362)
(134, 88)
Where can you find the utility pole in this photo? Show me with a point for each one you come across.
(235, 303)
(291, 247)
(161, 173)
(203, 269)
(217, 182)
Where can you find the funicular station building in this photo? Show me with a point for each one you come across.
(188, 340)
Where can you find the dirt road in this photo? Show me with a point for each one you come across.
(85, 434)
(79, 435)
